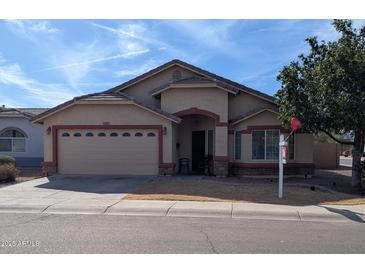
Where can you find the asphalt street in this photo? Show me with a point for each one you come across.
(62, 233)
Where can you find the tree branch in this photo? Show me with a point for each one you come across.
(338, 140)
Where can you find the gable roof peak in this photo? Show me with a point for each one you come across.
(199, 72)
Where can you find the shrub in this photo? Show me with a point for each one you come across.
(7, 160)
(8, 172)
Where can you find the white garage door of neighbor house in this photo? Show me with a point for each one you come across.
(112, 152)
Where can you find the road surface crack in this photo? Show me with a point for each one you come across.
(209, 241)
(300, 218)
(168, 210)
(107, 208)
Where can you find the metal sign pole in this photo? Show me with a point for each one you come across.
(283, 144)
(281, 167)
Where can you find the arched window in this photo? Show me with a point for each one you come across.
(77, 134)
(89, 134)
(65, 134)
(101, 134)
(113, 134)
(151, 134)
(138, 134)
(126, 134)
(12, 140)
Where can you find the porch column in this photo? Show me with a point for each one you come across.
(221, 151)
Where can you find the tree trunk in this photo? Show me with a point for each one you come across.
(356, 158)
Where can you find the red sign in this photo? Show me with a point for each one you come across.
(295, 123)
(283, 154)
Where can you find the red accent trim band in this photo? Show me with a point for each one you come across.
(49, 164)
(57, 127)
(221, 158)
(194, 110)
(272, 165)
(263, 127)
(167, 165)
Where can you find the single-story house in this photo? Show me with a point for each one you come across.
(172, 118)
(20, 138)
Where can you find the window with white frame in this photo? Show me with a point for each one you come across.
(210, 144)
(237, 145)
(12, 140)
(265, 144)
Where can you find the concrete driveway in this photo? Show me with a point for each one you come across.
(94, 194)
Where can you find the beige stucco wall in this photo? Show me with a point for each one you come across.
(265, 118)
(303, 148)
(141, 91)
(326, 155)
(221, 141)
(211, 99)
(243, 102)
(303, 141)
(115, 114)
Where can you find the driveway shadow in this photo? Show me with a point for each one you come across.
(351, 215)
(96, 184)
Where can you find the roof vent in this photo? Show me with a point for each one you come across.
(176, 75)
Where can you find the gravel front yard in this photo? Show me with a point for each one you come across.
(297, 191)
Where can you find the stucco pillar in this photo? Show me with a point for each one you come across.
(221, 158)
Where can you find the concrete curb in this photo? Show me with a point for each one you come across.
(66, 209)
(22, 209)
(141, 208)
(202, 209)
(266, 215)
(198, 209)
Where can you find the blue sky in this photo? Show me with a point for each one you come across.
(46, 62)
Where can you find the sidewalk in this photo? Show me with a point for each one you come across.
(112, 206)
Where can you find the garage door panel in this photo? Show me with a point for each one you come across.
(108, 155)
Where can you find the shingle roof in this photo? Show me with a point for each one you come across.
(21, 112)
(106, 95)
(198, 70)
(194, 80)
(100, 96)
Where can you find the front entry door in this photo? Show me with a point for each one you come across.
(198, 151)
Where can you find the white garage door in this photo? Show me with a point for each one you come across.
(129, 152)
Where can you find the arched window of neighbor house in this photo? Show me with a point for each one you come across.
(12, 140)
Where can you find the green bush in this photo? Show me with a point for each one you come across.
(6, 160)
(8, 173)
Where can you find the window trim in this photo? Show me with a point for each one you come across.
(207, 141)
(234, 145)
(265, 130)
(25, 137)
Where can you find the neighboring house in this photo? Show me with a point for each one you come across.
(176, 111)
(21, 138)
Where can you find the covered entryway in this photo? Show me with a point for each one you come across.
(108, 151)
(195, 142)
